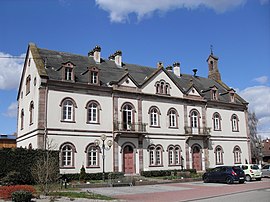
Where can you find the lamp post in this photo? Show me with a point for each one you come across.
(103, 137)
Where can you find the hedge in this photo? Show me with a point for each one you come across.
(16, 164)
(6, 191)
(161, 173)
(94, 176)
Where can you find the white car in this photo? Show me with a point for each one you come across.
(252, 171)
(266, 171)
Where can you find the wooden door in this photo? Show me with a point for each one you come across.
(196, 158)
(128, 160)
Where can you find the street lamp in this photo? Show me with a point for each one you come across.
(103, 137)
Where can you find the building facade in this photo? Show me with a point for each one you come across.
(153, 118)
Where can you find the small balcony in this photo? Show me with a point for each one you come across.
(129, 127)
(201, 131)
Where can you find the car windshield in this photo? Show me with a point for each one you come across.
(254, 167)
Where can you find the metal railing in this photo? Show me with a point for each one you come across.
(197, 131)
(135, 127)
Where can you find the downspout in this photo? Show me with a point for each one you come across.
(45, 118)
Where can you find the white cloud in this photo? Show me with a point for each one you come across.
(10, 70)
(261, 80)
(12, 110)
(120, 10)
(259, 102)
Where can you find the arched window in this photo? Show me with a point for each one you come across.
(219, 155)
(27, 84)
(194, 118)
(217, 121)
(154, 116)
(128, 116)
(67, 151)
(173, 115)
(68, 109)
(174, 153)
(93, 112)
(22, 118)
(155, 155)
(162, 87)
(235, 120)
(92, 152)
(237, 154)
(31, 112)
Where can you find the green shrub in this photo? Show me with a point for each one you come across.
(21, 196)
(163, 173)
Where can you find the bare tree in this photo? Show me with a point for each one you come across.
(254, 138)
(46, 169)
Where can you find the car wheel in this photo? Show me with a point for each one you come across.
(229, 180)
(206, 180)
(248, 178)
(258, 179)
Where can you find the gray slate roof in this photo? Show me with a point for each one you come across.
(110, 72)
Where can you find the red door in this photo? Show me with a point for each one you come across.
(128, 160)
(196, 158)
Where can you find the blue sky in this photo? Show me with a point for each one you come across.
(147, 32)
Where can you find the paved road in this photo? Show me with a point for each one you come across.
(193, 191)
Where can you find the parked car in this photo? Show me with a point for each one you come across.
(266, 171)
(228, 174)
(252, 171)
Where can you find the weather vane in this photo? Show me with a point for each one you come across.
(211, 48)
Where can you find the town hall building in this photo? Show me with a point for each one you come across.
(148, 118)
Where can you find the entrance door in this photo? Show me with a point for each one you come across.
(196, 158)
(128, 160)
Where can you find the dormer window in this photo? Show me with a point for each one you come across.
(232, 95)
(162, 87)
(93, 75)
(68, 71)
(214, 93)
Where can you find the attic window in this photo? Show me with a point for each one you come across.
(68, 71)
(162, 87)
(27, 84)
(214, 94)
(94, 75)
(232, 97)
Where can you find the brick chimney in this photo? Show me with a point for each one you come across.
(176, 69)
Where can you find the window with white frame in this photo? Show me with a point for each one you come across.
(155, 155)
(128, 116)
(93, 110)
(174, 153)
(194, 119)
(219, 155)
(217, 121)
(67, 151)
(173, 122)
(68, 109)
(162, 87)
(237, 154)
(93, 156)
(154, 116)
(68, 73)
(234, 122)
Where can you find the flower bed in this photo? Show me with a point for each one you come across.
(6, 191)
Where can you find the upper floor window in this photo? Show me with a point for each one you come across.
(22, 118)
(237, 154)
(173, 115)
(128, 113)
(94, 75)
(67, 152)
(194, 118)
(162, 87)
(68, 109)
(27, 84)
(214, 92)
(68, 73)
(92, 152)
(234, 121)
(93, 109)
(219, 155)
(154, 116)
(31, 112)
(155, 155)
(217, 121)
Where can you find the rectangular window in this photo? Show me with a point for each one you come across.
(94, 78)
(68, 73)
